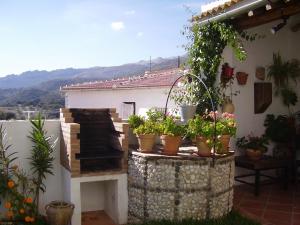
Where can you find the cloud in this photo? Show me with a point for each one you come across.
(129, 12)
(117, 26)
(139, 34)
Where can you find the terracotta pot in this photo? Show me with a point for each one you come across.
(59, 212)
(228, 106)
(146, 142)
(224, 139)
(253, 154)
(203, 149)
(228, 72)
(241, 78)
(187, 112)
(260, 73)
(171, 144)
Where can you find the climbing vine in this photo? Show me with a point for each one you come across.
(205, 48)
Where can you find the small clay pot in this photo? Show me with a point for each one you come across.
(253, 154)
(171, 144)
(241, 78)
(260, 73)
(146, 142)
(203, 149)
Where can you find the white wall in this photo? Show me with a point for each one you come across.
(260, 54)
(17, 132)
(144, 98)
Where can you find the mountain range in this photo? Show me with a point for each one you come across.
(40, 88)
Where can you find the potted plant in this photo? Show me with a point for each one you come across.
(201, 130)
(134, 122)
(227, 73)
(171, 135)
(186, 97)
(226, 128)
(146, 134)
(255, 146)
(241, 78)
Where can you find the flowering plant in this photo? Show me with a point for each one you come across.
(225, 123)
(199, 126)
(169, 127)
(253, 142)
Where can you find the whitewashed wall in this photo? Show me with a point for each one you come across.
(260, 53)
(17, 136)
(113, 98)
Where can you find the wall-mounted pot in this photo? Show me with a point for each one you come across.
(242, 78)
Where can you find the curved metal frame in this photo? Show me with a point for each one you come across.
(212, 106)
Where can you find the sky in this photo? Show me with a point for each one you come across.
(57, 34)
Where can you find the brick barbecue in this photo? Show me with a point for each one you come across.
(93, 142)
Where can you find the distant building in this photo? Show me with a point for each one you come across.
(127, 95)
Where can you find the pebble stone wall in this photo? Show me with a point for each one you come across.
(179, 187)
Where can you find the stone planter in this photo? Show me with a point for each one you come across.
(203, 149)
(59, 212)
(224, 139)
(146, 142)
(187, 112)
(171, 144)
(253, 154)
(241, 78)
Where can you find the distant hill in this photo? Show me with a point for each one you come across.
(41, 88)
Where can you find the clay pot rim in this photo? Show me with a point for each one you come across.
(60, 204)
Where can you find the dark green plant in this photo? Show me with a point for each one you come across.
(253, 142)
(278, 129)
(169, 127)
(135, 121)
(42, 158)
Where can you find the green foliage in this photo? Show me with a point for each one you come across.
(42, 158)
(199, 126)
(278, 129)
(289, 97)
(154, 115)
(233, 218)
(135, 121)
(187, 92)
(253, 142)
(226, 124)
(207, 43)
(148, 127)
(170, 127)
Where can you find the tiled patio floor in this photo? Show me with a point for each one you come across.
(273, 206)
(96, 218)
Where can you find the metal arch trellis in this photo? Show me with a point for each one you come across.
(212, 106)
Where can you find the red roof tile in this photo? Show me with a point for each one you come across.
(161, 78)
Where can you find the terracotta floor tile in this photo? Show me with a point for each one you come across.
(280, 207)
(252, 204)
(278, 218)
(96, 218)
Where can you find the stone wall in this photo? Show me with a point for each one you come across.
(179, 187)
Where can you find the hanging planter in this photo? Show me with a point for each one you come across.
(227, 73)
(241, 78)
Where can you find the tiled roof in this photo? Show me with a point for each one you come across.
(161, 78)
(216, 9)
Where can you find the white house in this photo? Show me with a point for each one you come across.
(127, 95)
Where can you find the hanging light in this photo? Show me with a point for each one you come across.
(250, 13)
(268, 7)
(276, 28)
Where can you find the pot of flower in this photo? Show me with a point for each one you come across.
(226, 128)
(241, 78)
(171, 134)
(254, 146)
(134, 122)
(227, 73)
(186, 98)
(146, 134)
(200, 130)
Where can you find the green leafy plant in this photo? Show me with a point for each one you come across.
(149, 127)
(253, 142)
(170, 127)
(278, 129)
(42, 158)
(199, 126)
(135, 121)
(154, 115)
(187, 92)
(226, 124)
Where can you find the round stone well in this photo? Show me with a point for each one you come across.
(179, 187)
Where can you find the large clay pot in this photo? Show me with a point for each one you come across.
(187, 112)
(253, 154)
(228, 106)
(146, 142)
(171, 144)
(224, 139)
(59, 212)
(203, 149)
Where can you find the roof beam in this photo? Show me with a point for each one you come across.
(268, 16)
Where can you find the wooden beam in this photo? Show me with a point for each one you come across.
(268, 16)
